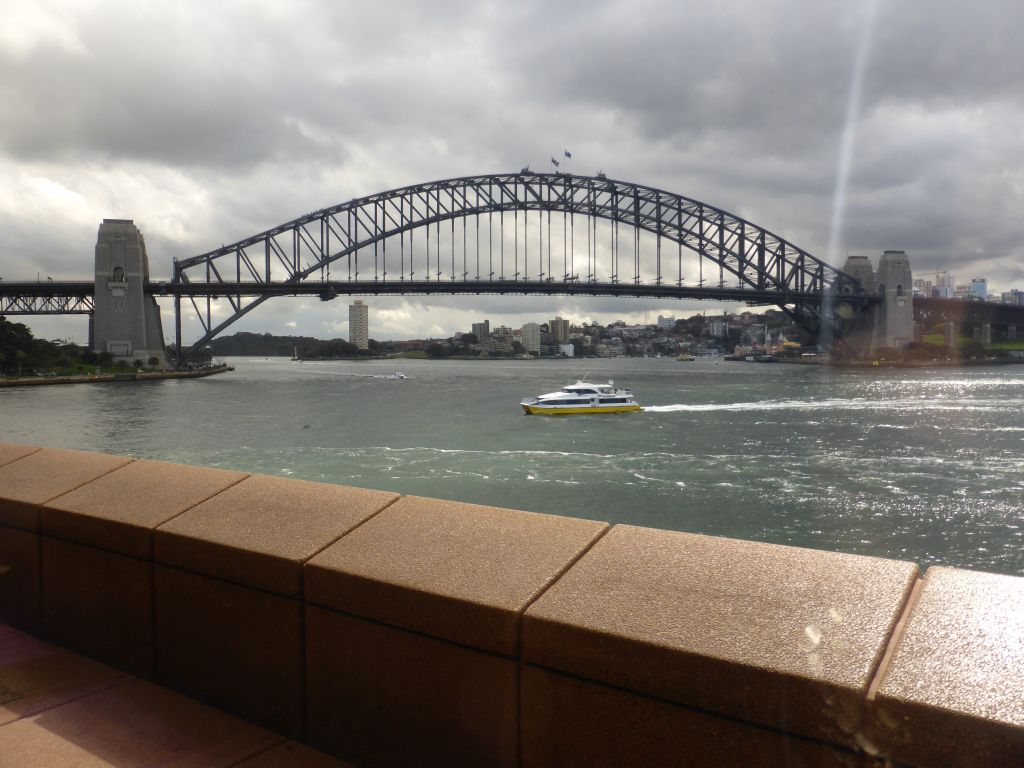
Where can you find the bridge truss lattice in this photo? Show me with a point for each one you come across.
(525, 233)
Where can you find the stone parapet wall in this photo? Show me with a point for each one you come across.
(403, 630)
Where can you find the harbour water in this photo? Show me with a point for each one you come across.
(922, 465)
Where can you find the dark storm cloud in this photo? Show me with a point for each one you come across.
(210, 123)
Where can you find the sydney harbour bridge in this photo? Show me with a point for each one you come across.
(523, 233)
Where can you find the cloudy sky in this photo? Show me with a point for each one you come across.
(843, 126)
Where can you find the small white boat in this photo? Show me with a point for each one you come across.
(582, 397)
(396, 375)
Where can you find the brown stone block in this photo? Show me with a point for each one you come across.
(291, 754)
(234, 647)
(383, 696)
(458, 571)
(35, 676)
(261, 531)
(20, 597)
(776, 635)
(567, 721)
(99, 603)
(953, 692)
(12, 452)
(133, 725)
(120, 510)
(43, 475)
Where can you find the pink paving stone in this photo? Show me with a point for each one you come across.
(291, 754)
(35, 675)
(775, 635)
(120, 510)
(133, 724)
(953, 693)
(35, 479)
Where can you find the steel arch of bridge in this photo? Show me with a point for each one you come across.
(286, 260)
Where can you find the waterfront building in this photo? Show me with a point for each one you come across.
(980, 287)
(666, 323)
(482, 330)
(359, 324)
(559, 330)
(567, 349)
(531, 338)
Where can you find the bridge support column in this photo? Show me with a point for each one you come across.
(983, 333)
(949, 330)
(126, 322)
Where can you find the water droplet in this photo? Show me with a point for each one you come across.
(813, 635)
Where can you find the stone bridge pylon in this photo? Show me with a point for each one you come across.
(126, 320)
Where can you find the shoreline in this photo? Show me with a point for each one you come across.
(874, 364)
(105, 378)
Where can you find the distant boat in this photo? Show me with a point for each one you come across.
(686, 358)
(580, 398)
(396, 375)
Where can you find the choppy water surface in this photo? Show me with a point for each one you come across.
(920, 465)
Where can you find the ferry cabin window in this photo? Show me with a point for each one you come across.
(571, 402)
(615, 400)
(580, 391)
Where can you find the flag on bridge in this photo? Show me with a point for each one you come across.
(554, 162)
(568, 154)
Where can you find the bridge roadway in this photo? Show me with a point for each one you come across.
(18, 297)
(76, 296)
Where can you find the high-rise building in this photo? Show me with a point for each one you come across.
(359, 324)
(531, 338)
(559, 330)
(980, 287)
(482, 330)
(666, 323)
(922, 287)
(718, 327)
(945, 286)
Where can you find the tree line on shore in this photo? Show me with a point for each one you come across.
(245, 343)
(21, 354)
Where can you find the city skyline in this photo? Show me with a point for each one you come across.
(863, 127)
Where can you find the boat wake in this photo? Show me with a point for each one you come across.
(856, 404)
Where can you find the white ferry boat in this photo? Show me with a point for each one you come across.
(582, 397)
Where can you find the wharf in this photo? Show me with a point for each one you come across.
(35, 381)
